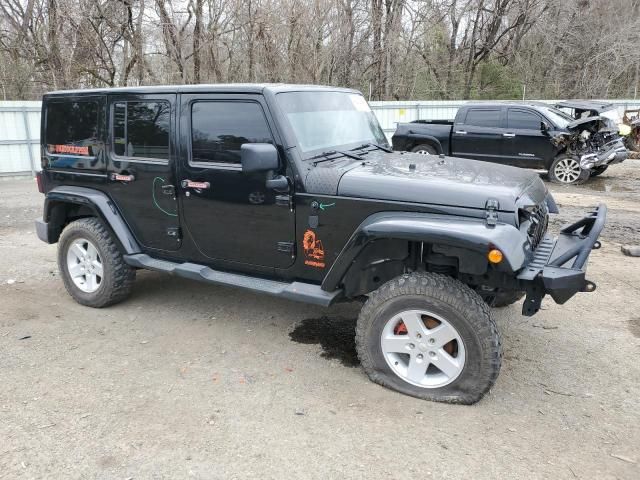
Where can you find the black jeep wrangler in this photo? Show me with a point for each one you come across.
(293, 191)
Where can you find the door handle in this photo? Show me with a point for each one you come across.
(510, 135)
(168, 190)
(120, 177)
(461, 132)
(196, 185)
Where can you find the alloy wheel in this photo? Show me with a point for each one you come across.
(567, 170)
(423, 348)
(85, 265)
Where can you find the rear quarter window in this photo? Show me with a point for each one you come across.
(72, 127)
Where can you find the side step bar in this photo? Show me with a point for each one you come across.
(299, 291)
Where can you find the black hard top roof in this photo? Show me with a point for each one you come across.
(205, 88)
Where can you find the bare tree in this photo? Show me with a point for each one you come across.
(398, 48)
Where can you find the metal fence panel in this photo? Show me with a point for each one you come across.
(19, 138)
(20, 126)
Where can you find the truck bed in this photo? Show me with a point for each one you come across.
(410, 135)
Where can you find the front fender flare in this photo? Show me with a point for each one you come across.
(103, 207)
(467, 233)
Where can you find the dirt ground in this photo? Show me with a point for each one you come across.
(187, 380)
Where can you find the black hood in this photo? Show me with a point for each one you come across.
(430, 179)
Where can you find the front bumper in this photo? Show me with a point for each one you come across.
(612, 153)
(559, 264)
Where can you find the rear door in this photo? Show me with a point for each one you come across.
(525, 144)
(479, 134)
(141, 167)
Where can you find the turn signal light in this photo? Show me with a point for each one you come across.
(495, 256)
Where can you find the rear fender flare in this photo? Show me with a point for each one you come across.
(470, 234)
(417, 139)
(100, 204)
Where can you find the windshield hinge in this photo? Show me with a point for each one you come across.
(492, 206)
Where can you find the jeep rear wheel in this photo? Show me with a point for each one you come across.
(429, 336)
(91, 265)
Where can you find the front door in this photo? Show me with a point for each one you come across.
(141, 168)
(231, 215)
(525, 144)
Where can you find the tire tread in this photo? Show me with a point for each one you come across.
(453, 292)
(122, 275)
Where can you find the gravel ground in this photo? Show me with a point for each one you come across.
(187, 380)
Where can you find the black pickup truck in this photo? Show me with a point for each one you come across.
(529, 135)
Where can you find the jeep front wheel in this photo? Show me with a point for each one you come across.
(429, 336)
(91, 265)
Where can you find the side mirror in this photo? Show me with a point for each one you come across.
(544, 127)
(258, 157)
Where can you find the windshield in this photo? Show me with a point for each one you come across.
(330, 120)
(558, 117)
(613, 116)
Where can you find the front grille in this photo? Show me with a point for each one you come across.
(539, 218)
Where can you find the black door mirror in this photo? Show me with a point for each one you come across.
(544, 127)
(258, 157)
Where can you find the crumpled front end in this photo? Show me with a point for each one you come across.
(594, 141)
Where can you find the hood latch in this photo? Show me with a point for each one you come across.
(492, 206)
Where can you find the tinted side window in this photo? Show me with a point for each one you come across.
(523, 119)
(141, 129)
(483, 117)
(72, 127)
(218, 129)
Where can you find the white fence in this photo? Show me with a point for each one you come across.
(19, 138)
(20, 126)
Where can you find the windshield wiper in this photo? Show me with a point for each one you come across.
(328, 155)
(370, 144)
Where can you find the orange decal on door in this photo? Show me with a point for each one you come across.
(313, 250)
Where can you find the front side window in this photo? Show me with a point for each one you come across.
(218, 129)
(330, 120)
(521, 119)
(141, 129)
(72, 127)
(481, 117)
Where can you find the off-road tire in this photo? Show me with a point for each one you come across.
(598, 170)
(118, 277)
(504, 299)
(462, 307)
(425, 148)
(583, 176)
